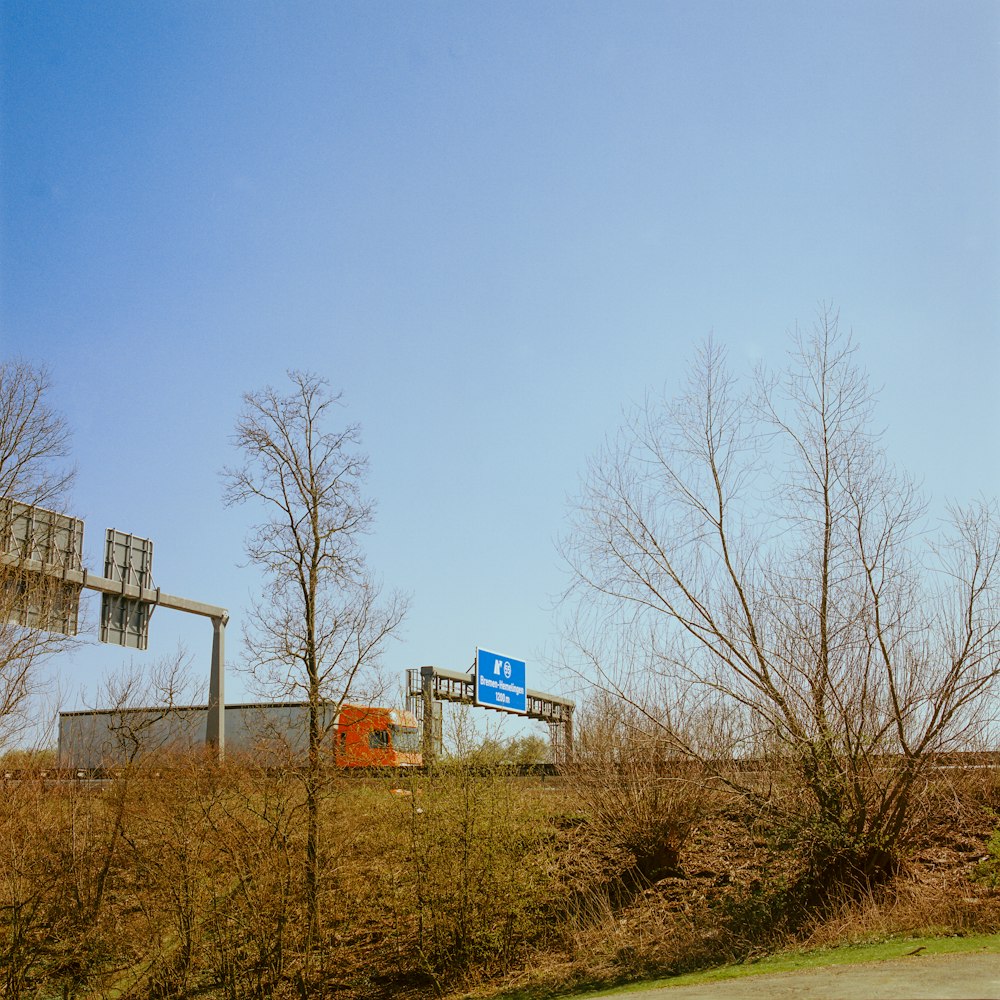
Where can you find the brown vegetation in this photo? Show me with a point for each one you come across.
(179, 877)
(754, 577)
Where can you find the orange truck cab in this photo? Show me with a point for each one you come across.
(377, 737)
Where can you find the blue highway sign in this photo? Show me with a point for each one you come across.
(500, 682)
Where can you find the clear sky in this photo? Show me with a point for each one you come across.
(492, 225)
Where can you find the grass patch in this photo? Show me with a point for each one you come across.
(816, 958)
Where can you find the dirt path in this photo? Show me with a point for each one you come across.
(918, 977)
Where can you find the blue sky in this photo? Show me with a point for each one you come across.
(492, 225)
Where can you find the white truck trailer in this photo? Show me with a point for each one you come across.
(357, 736)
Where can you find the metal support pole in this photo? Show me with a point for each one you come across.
(215, 729)
(427, 695)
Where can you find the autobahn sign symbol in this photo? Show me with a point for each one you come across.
(500, 682)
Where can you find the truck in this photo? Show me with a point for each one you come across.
(274, 733)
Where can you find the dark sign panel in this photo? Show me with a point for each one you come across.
(128, 559)
(37, 545)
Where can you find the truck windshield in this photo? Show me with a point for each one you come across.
(406, 739)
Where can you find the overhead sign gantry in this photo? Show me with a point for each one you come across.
(428, 687)
(48, 545)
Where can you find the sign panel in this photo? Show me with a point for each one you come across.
(56, 540)
(39, 599)
(128, 559)
(500, 682)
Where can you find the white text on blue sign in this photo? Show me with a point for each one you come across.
(500, 682)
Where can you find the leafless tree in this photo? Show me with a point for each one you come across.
(34, 438)
(34, 444)
(321, 624)
(757, 550)
(144, 715)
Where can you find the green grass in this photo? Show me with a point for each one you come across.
(818, 958)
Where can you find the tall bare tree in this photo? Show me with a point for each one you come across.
(34, 447)
(756, 551)
(321, 622)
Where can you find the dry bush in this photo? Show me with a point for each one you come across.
(743, 896)
(181, 878)
(173, 876)
(64, 909)
(478, 870)
(257, 829)
(911, 908)
(214, 854)
(641, 797)
(175, 866)
(30, 871)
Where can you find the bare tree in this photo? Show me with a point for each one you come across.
(321, 623)
(765, 557)
(34, 443)
(34, 438)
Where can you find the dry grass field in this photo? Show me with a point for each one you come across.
(177, 878)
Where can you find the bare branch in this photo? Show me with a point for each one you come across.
(761, 547)
(34, 441)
